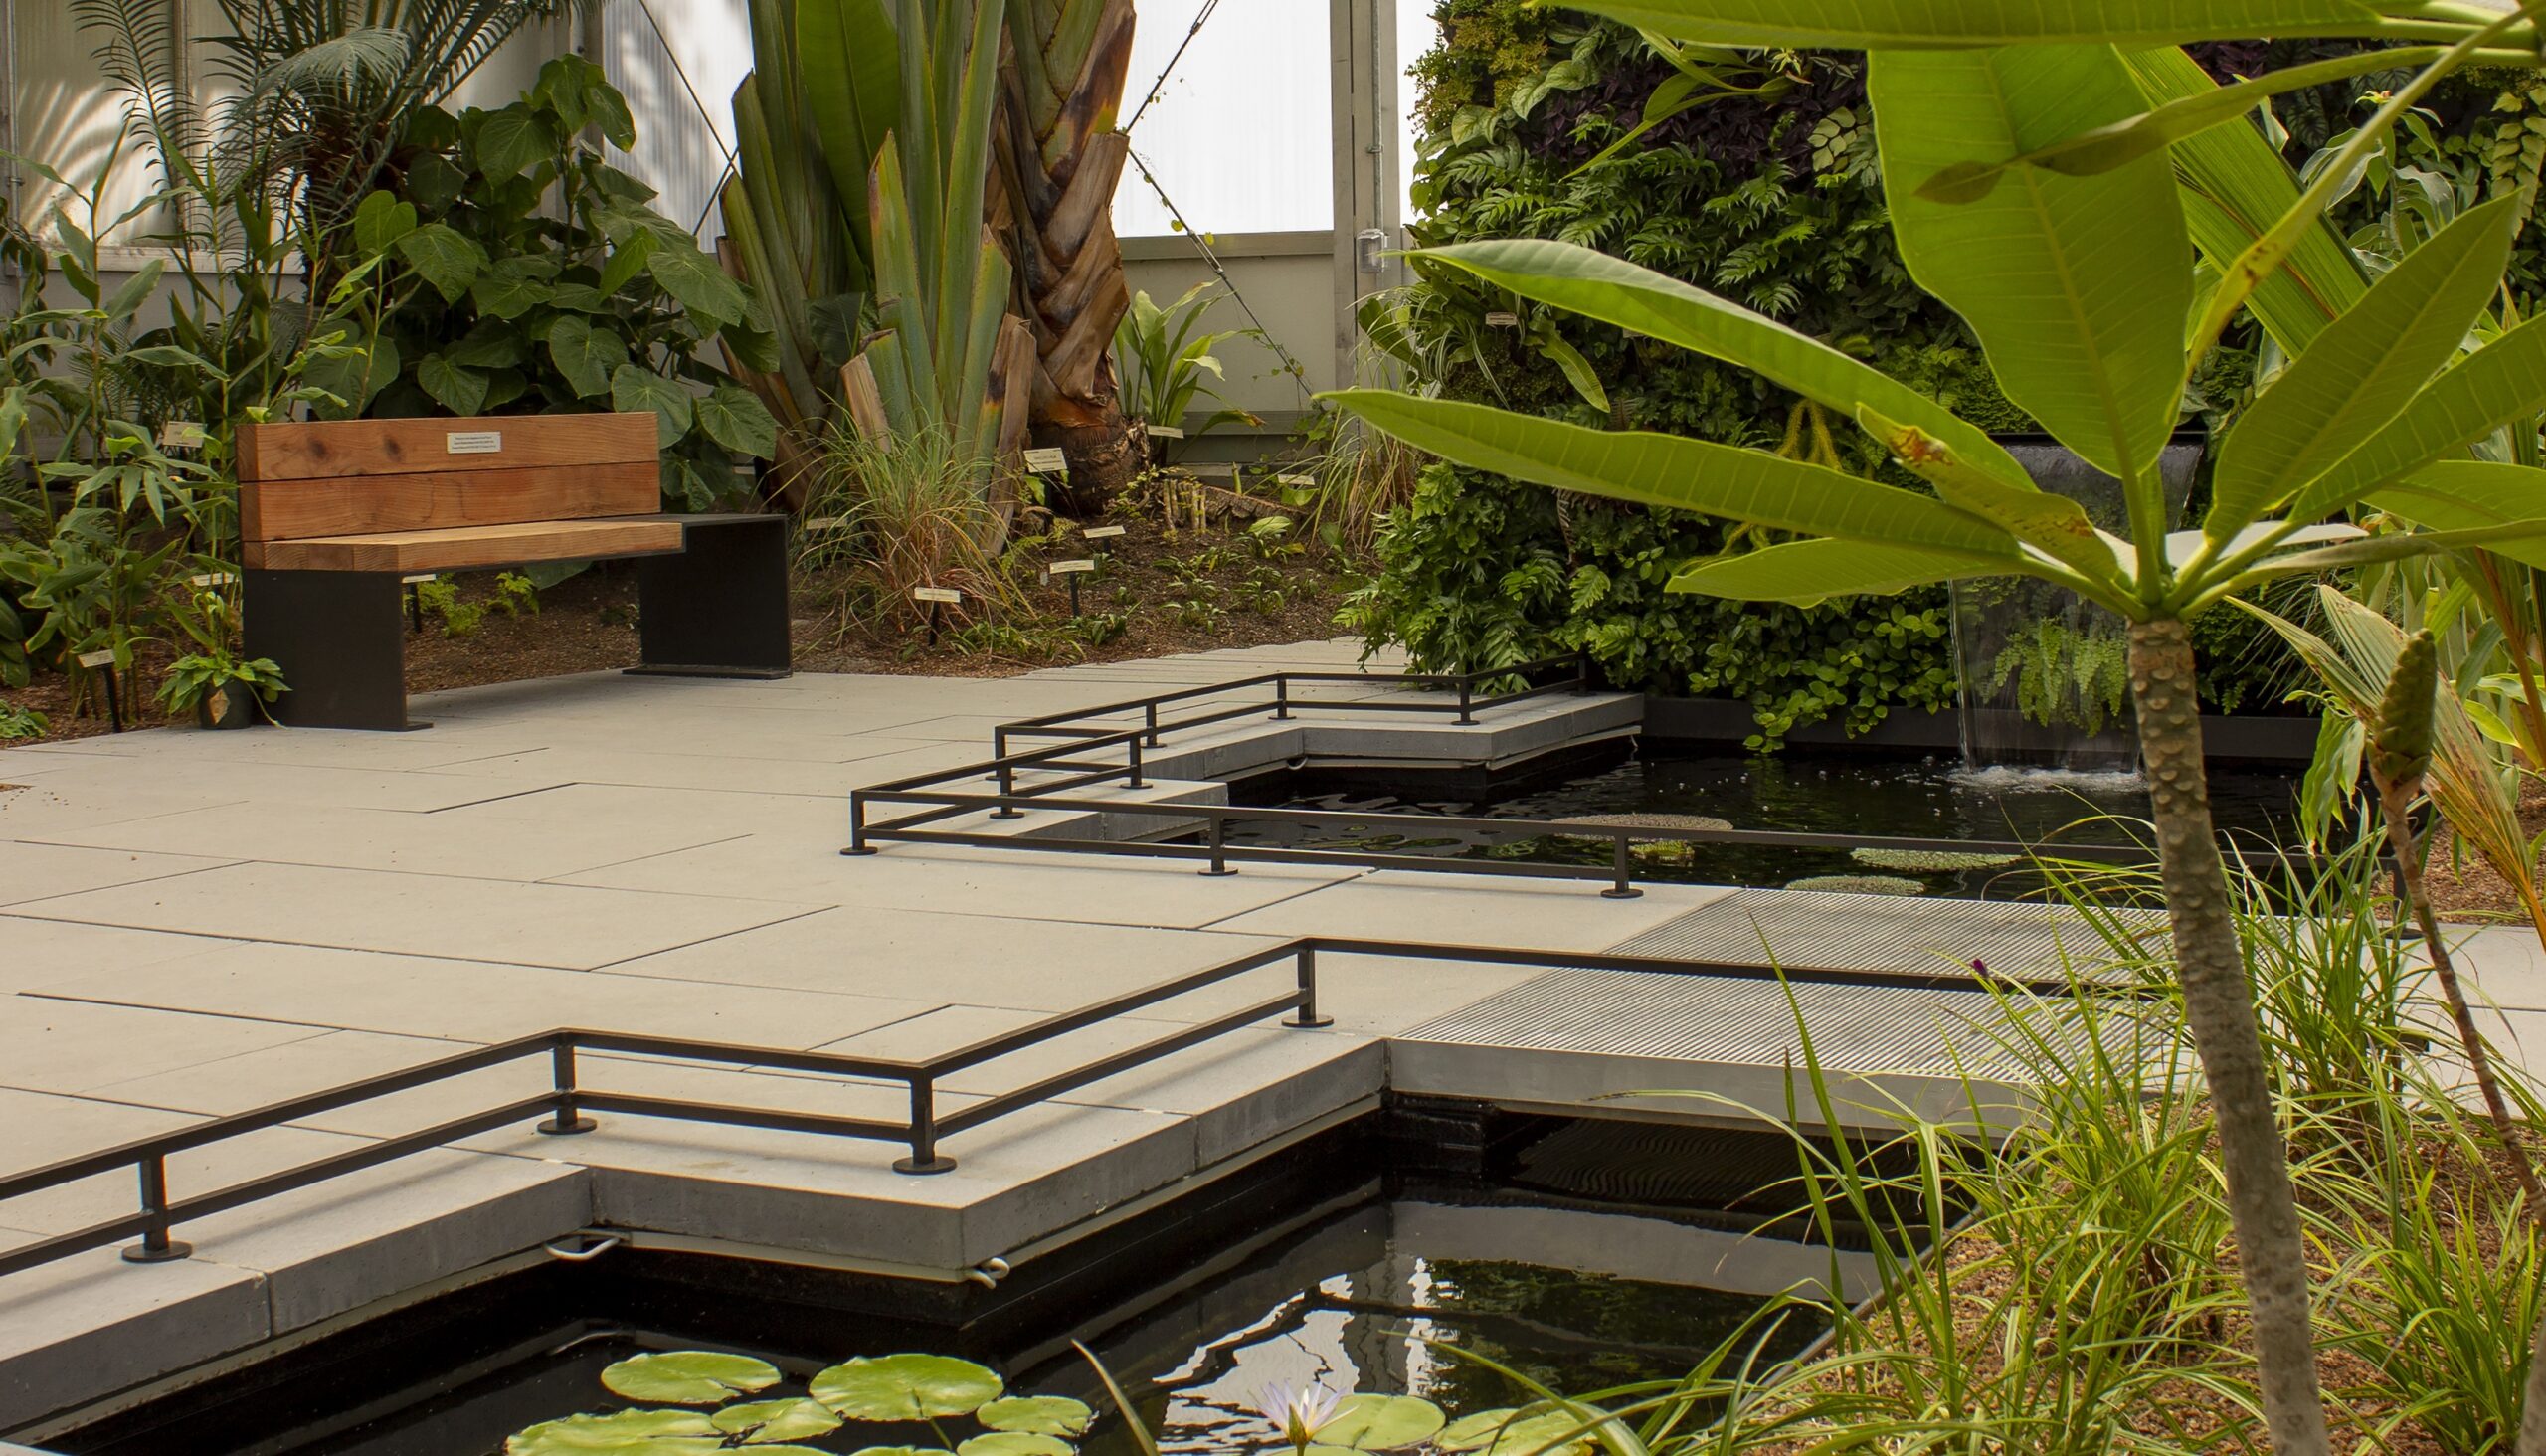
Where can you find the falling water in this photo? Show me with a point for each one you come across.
(2040, 668)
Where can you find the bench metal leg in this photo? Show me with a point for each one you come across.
(340, 638)
(719, 608)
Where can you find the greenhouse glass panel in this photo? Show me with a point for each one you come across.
(1418, 30)
(1238, 134)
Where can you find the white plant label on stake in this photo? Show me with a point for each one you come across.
(103, 658)
(1047, 461)
(825, 523)
(1302, 482)
(1101, 533)
(936, 594)
(1167, 432)
(472, 442)
(213, 578)
(1499, 319)
(418, 580)
(1064, 568)
(181, 434)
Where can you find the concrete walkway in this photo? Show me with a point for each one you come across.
(194, 924)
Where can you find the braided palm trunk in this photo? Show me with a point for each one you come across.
(1061, 155)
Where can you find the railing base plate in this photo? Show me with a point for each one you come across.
(939, 1164)
(167, 1254)
(1617, 894)
(555, 1129)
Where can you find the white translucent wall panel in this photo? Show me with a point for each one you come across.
(678, 62)
(66, 116)
(1239, 133)
(1417, 30)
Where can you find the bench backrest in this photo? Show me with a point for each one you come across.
(357, 478)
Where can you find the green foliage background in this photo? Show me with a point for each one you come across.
(1775, 202)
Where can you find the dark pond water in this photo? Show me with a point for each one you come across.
(1837, 793)
(1584, 1254)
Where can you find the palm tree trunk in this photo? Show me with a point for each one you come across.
(2219, 1006)
(1061, 156)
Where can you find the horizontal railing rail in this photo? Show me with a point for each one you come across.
(565, 1108)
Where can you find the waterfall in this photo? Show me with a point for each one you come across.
(2041, 674)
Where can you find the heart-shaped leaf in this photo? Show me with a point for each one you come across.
(1015, 1443)
(906, 1388)
(688, 1376)
(1380, 1424)
(1508, 1432)
(584, 354)
(1041, 1415)
(736, 419)
(634, 387)
(760, 1421)
(622, 1433)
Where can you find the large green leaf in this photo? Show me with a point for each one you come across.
(455, 386)
(1806, 571)
(905, 1387)
(760, 1422)
(2234, 187)
(1866, 25)
(736, 419)
(694, 278)
(1675, 472)
(688, 1376)
(1015, 1443)
(2362, 371)
(584, 354)
(1380, 1424)
(2468, 496)
(621, 1433)
(512, 141)
(1617, 292)
(449, 258)
(849, 66)
(2502, 382)
(2078, 286)
(1041, 1415)
(634, 387)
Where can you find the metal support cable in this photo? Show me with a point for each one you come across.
(1290, 364)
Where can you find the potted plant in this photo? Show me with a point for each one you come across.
(223, 689)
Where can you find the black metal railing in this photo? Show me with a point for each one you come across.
(1099, 749)
(565, 1109)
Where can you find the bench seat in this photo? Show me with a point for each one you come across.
(460, 548)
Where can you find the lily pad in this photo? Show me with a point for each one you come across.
(1015, 1443)
(1040, 1415)
(906, 1388)
(1930, 861)
(1380, 1424)
(1511, 1432)
(621, 1433)
(1859, 884)
(761, 1421)
(688, 1376)
(904, 1451)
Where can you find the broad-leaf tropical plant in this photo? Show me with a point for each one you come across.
(2078, 278)
(945, 354)
(1059, 157)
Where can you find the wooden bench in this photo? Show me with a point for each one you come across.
(333, 514)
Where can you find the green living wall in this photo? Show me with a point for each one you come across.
(1774, 201)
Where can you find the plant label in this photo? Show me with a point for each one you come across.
(181, 434)
(1499, 319)
(1064, 568)
(936, 594)
(472, 442)
(825, 523)
(213, 578)
(104, 657)
(1297, 482)
(1047, 461)
(1101, 533)
(418, 580)
(1167, 432)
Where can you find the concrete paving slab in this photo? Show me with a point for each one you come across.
(75, 1046)
(31, 871)
(1128, 891)
(576, 926)
(1017, 1178)
(72, 799)
(986, 959)
(254, 1079)
(110, 1196)
(2505, 965)
(455, 842)
(339, 1246)
(92, 1325)
(310, 747)
(195, 785)
(1468, 909)
(33, 952)
(292, 991)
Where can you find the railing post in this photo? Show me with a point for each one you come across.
(1219, 847)
(999, 748)
(1281, 695)
(858, 823)
(155, 1247)
(1467, 701)
(1135, 781)
(1308, 1015)
(1148, 715)
(1581, 671)
(1006, 784)
(924, 1157)
(1621, 886)
(568, 1117)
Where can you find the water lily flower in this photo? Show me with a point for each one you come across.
(1299, 1415)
